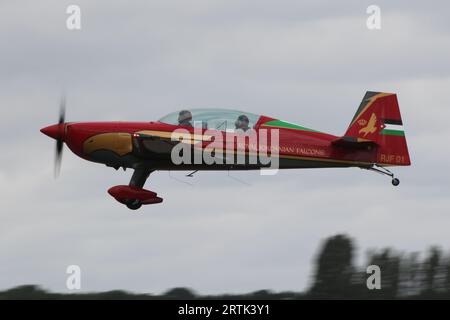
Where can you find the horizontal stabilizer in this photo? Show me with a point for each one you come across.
(353, 142)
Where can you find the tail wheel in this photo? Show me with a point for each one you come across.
(133, 204)
(382, 170)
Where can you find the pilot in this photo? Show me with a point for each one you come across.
(242, 123)
(185, 118)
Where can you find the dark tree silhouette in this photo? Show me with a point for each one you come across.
(180, 293)
(389, 264)
(435, 274)
(334, 269)
(405, 276)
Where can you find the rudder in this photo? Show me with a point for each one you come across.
(378, 119)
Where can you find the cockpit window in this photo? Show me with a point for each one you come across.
(212, 119)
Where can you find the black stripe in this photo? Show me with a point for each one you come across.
(391, 121)
(364, 102)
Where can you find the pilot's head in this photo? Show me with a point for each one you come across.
(185, 117)
(242, 122)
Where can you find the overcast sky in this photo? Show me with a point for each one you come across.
(307, 62)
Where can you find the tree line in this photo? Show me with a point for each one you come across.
(334, 276)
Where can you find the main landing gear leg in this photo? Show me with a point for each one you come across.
(383, 170)
(138, 179)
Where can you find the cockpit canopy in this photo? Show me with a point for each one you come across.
(212, 119)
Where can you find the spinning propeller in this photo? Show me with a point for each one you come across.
(57, 132)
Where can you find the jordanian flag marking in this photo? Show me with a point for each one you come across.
(393, 128)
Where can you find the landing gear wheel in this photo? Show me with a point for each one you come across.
(133, 204)
(382, 170)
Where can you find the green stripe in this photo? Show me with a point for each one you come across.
(393, 132)
(282, 124)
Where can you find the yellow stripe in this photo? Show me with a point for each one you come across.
(297, 157)
(166, 134)
(371, 101)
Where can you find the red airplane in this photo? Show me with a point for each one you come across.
(374, 140)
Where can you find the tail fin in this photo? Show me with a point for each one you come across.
(378, 120)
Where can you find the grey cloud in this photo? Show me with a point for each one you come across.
(307, 63)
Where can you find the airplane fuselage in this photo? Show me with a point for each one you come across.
(119, 144)
(222, 139)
